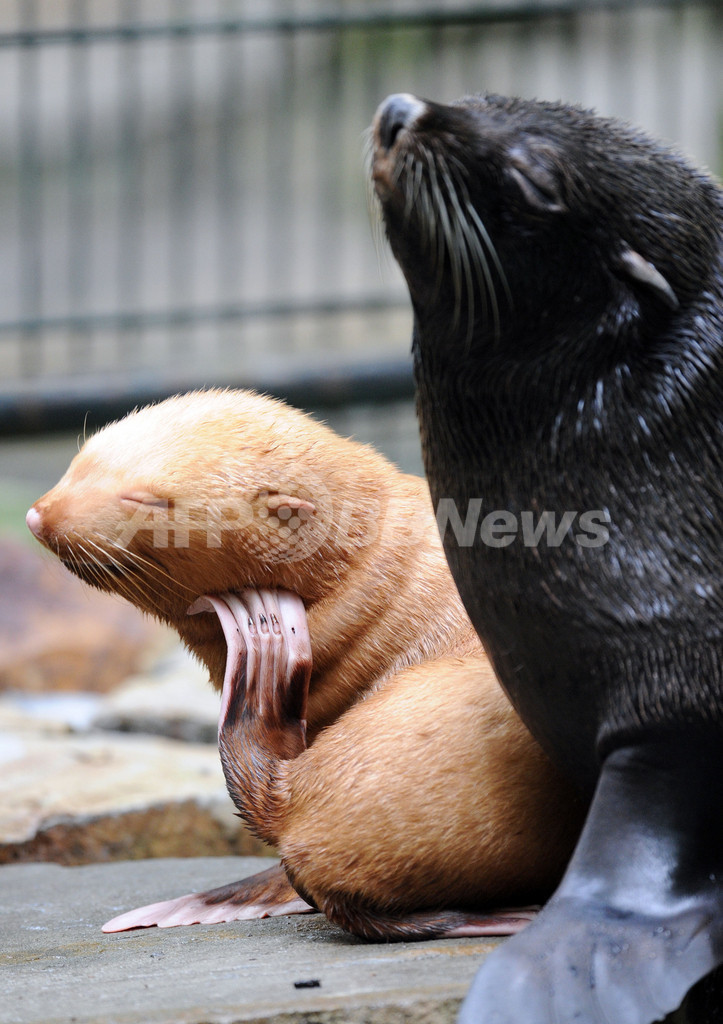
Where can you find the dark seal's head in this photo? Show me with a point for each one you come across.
(519, 220)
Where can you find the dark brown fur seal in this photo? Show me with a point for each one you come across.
(356, 752)
(566, 274)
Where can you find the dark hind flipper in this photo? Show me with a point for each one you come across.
(360, 918)
(637, 919)
(267, 894)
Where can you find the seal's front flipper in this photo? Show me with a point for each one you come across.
(638, 917)
(262, 725)
(580, 962)
(266, 894)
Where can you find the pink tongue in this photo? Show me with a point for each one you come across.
(235, 646)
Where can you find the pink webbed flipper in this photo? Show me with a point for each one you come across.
(298, 646)
(496, 922)
(266, 894)
(268, 652)
(268, 645)
(281, 689)
(257, 611)
(263, 715)
(241, 651)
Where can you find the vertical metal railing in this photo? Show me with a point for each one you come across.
(79, 165)
(183, 199)
(30, 215)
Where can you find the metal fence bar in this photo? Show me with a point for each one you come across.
(30, 190)
(226, 214)
(181, 247)
(79, 219)
(278, 144)
(69, 406)
(332, 21)
(130, 251)
(190, 315)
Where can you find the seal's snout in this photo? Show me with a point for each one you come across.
(396, 112)
(34, 521)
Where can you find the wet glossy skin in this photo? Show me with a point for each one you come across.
(567, 284)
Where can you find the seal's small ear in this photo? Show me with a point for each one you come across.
(635, 266)
(278, 503)
(530, 166)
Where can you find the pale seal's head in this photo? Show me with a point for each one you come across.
(211, 492)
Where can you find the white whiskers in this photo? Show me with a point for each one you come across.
(437, 204)
(142, 581)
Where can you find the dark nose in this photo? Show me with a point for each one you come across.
(396, 112)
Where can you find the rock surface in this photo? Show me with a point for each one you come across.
(59, 968)
(77, 798)
(73, 788)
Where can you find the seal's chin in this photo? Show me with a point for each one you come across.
(436, 233)
(98, 574)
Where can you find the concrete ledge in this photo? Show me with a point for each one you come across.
(58, 967)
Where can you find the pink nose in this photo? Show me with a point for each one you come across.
(35, 522)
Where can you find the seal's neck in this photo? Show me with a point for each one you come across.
(578, 375)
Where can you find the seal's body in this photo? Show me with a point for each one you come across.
(218, 493)
(566, 275)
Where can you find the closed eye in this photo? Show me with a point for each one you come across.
(145, 498)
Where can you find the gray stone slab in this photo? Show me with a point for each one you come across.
(76, 799)
(57, 967)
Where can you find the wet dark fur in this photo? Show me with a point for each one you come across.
(591, 381)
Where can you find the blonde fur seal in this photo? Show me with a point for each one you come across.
(418, 792)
